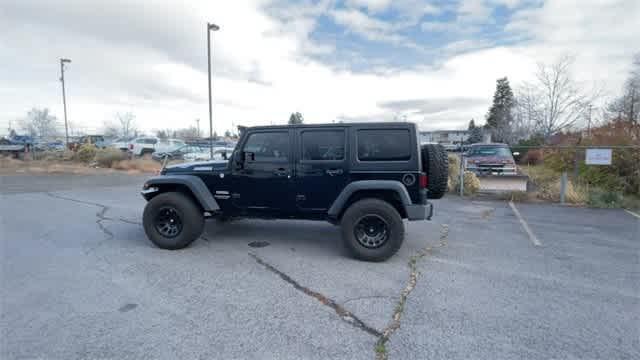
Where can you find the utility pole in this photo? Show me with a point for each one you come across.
(589, 121)
(64, 100)
(210, 27)
(198, 126)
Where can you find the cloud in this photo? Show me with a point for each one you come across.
(474, 10)
(369, 27)
(371, 5)
(150, 58)
(432, 105)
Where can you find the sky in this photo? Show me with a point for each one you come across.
(431, 62)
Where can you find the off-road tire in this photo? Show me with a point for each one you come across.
(191, 216)
(379, 208)
(435, 162)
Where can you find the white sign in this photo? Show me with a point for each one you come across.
(598, 157)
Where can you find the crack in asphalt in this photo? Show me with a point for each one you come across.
(387, 332)
(343, 313)
(367, 297)
(100, 217)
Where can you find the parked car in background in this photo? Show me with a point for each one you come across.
(490, 159)
(57, 145)
(148, 145)
(202, 154)
(142, 145)
(179, 153)
(193, 153)
(121, 143)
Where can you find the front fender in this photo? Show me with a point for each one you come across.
(193, 183)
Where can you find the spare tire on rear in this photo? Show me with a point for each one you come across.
(435, 163)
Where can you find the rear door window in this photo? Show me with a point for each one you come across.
(323, 145)
(384, 145)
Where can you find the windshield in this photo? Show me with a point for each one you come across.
(500, 151)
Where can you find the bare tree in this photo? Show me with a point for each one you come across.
(527, 112)
(627, 106)
(127, 124)
(40, 122)
(111, 130)
(555, 102)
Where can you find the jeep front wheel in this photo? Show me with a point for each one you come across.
(372, 230)
(172, 221)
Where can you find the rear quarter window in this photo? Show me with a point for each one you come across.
(384, 145)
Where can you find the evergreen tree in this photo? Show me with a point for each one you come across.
(500, 116)
(475, 133)
(295, 118)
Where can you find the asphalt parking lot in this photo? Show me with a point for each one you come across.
(80, 280)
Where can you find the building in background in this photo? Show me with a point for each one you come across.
(450, 139)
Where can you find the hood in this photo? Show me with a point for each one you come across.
(196, 166)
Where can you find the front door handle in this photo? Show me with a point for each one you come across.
(280, 172)
(334, 172)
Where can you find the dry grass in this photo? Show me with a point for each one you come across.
(106, 158)
(454, 172)
(471, 182)
(10, 166)
(548, 184)
(137, 165)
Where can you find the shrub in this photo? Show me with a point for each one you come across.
(547, 185)
(532, 157)
(605, 199)
(108, 157)
(471, 183)
(86, 153)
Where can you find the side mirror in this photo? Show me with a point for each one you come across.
(224, 155)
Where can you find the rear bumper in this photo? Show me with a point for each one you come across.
(419, 212)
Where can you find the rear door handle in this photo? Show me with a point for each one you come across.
(334, 172)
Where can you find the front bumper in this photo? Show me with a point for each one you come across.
(419, 211)
(492, 170)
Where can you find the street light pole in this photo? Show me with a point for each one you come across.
(210, 27)
(64, 101)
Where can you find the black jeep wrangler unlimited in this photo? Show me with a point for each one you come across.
(366, 177)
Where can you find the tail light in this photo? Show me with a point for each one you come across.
(424, 181)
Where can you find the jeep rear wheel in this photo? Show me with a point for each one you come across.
(435, 162)
(372, 230)
(172, 221)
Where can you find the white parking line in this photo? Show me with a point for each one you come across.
(525, 226)
(632, 213)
